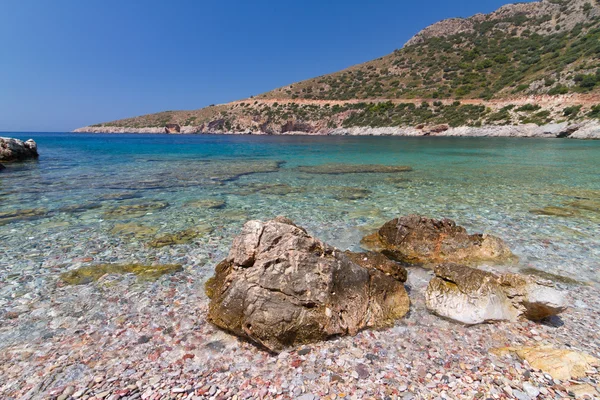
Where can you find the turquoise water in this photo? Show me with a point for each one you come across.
(77, 189)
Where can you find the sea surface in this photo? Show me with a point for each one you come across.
(94, 198)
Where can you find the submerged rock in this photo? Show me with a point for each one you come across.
(280, 287)
(561, 364)
(78, 208)
(8, 217)
(183, 237)
(338, 169)
(17, 150)
(134, 230)
(119, 196)
(92, 273)
(554, 211)
(586, 204)
(134, 210)
(206, 203)
(350, 193)
(276, 189)
(419, 240)
(472, 296)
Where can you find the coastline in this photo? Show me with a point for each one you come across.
(584, 130)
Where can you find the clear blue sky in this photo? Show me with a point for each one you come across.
(70, 63)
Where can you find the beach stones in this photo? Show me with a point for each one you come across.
(419, 240)
(17, 150)
(561, 364)
(473, 296)
(338, 169)
(281, 287)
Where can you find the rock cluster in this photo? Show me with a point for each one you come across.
(419, 240)
(280, 287)
(17, 150)
(473, 296)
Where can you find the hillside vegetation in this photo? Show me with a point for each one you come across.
(480, 70)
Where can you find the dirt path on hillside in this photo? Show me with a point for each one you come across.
(543, 100)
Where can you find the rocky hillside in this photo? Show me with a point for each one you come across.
(531, 63)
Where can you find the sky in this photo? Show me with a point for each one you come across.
(72, 63)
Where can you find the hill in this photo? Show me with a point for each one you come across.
(529, 63)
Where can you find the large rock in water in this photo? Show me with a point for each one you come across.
(280, 287)
(420, 240)
(17, 150)
(472, 296)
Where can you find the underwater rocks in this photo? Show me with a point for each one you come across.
(132, 230)
(473, 296)
(555, 211)
(280, 287)
(8, 217)
(338, 169)
(561, 364)
(183, 237)
(17, 150)
(209, 204)
(127, 211)
(350, 193)
(419, 240)
(224, 172)
(92, 273)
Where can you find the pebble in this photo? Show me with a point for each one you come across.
(531, 390)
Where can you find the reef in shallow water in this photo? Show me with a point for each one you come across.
(92, 273)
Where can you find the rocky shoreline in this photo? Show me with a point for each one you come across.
(585, 130)
(117, 338)
(14, 150)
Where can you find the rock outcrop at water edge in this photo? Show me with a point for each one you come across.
(563, 364)
(420, 240)
(280, 287)
(472, 296)
(17, 150)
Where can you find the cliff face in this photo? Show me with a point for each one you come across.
(478, 71)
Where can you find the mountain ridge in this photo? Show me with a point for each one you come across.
(465, 69)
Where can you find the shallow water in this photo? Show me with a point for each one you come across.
(81, 182)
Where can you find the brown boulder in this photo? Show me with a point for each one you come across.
(419, 240)
(373, 260)
(280, 287)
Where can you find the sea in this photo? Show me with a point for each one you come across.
(103, 198)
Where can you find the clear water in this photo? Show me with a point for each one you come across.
(487, 185)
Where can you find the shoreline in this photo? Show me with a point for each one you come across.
(585, 130)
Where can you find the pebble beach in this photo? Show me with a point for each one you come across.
(131, 332)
